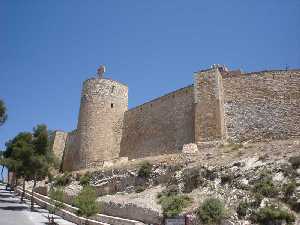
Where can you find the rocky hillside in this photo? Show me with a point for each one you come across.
(244, 183)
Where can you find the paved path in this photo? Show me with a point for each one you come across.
(12, 212)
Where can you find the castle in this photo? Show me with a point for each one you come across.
(219, 105)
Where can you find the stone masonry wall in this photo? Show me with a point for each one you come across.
(209, 110)
(262, 105)
(57, 142)
(252, 106)
(102, 107)
(160, 126)
(71, 153)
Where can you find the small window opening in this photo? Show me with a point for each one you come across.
(111, 105)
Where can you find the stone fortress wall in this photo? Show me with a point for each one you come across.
(102, 107)
(71, 156)
(58, 141)
(220, 105)
(262, 105)
(160, 126)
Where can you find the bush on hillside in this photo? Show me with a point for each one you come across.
(295, 161)
(211, 211)
(173, 203)
(63, 180)
(289, 189)
(243, 209)
(85, 179)
(272, 215)
(56, 200)
(169, 191)
(145, 170)
(227, 178)
(191, 179)
(265, 187)
(86, 202)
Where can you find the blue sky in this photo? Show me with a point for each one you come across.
(48, 48)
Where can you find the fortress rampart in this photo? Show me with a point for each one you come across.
(262, 105)
(102, 107)
(160, 126)
(220, 105)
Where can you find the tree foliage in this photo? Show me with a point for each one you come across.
(29, 155)
(3, 114)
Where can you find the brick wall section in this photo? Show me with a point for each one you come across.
(262, 105)
(102, 107)
(71, 154)
(159, 127)
(209, 111)
(57, 142)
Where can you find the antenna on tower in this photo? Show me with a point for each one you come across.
(100, 71)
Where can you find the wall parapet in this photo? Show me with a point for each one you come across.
(162, 98)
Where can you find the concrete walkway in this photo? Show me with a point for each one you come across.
(12, 212)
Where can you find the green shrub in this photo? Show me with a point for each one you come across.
(294, 204)
(86, 202)
(257, 200)
(145, 170)
(172, 205)
(56, 199)
(272, 215)
(191, 179)
(63, 180)
(226, 178)
(243, 209)
(289, 189)
(169, 191)
(211, 211)
(265, 187)
(295, 161)
(85, 179)
(139, 189)
(288, 170)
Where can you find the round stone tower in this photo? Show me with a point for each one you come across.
(102, 107)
